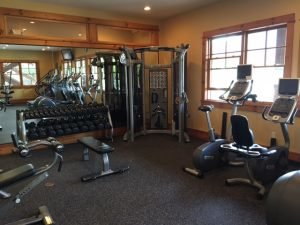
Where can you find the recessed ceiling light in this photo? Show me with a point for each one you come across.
(24, 29)
(32, 22)
(80, 34)
(147, 8)
(43, 49)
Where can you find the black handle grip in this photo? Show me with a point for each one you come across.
(60, 165)
(14, 140)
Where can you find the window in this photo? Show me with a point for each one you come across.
(80, 68)
(67, 68)
(20, 74)
(265, 44)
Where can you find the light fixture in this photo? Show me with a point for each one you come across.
(80, 35)
(32, 22)
(147, 8)
(43, 49)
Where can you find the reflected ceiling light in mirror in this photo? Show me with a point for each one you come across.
(3, 46)
(79, 35)
(147, 8)
(32, 22)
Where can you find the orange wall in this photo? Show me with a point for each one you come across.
(189, 28)
(47, 61)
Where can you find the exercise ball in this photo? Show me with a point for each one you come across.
(283, 201)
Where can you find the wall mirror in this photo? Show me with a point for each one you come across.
(23, 66)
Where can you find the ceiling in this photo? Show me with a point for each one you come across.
(161, 9)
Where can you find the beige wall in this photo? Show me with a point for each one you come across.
(47, 61)
(189, 27)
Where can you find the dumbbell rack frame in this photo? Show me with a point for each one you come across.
(22, 131)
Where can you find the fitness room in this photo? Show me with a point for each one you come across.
(150, 112)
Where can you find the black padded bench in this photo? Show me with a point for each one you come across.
(12, 176)
(102, 149)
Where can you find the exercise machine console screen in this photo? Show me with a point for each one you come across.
(240, 88)
(285, 106)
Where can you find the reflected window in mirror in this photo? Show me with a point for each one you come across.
(94, 71)
(81, 69)
(67, 68)
(19, 74)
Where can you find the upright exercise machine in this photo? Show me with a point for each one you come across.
(209, 155)
(155, 91)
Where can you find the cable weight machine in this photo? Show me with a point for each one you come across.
(155, 92)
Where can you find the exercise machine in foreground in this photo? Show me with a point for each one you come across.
(209, 155)
(11, 177)
(265, 165)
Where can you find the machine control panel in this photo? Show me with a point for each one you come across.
(284, 107)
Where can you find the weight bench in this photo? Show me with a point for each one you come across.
(102, 149)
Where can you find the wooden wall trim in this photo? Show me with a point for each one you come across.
(289, 18)
(76, 19)
(197, 134)
(91, 24)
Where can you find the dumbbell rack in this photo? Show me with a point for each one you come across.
(61, 120)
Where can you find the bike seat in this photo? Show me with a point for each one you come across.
(206, 108)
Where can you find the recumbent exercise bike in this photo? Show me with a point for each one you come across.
(265, 165)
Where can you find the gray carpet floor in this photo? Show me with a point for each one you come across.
(155, 191)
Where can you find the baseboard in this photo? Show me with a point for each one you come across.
(70, 139)
(202, 135)
(20, 101)
(197, 134)
(6, 149)
(293, 156)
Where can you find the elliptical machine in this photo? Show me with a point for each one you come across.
(209, 156)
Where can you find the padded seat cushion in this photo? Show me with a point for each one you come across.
(95, 145)
(16, 174)
(258, 148)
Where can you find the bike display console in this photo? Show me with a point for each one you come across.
(285, 106)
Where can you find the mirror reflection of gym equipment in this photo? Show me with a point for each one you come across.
(156, 97)
(111, 89)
